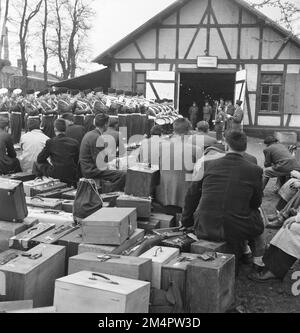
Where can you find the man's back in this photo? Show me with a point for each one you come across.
(276, 153)
(76, 132)
(231, 190)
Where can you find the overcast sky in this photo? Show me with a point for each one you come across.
(114, 20)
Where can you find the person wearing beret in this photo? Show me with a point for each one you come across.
(279, 162)
(63, 153)
(8, 157)
(237, 118)
(93, 156)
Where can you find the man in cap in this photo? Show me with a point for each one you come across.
(32, 143)
(63, 153)
(279, 162)
(93, 159)
(8, 157)
(237, 118)
(16, 116)
(76, 132)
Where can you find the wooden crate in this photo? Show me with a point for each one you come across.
(56, 217)
(84, 293)
(175, 272)
(142, 205)
(141, 181)
(9, 230)
(211, 284)
(159, 256)
(109, 226)
(46, 203)
(128, 267)
(203, 246)
(28, 279)
(134, 239)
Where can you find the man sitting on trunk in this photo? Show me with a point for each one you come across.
(224, 204)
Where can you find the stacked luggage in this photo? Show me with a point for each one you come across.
(123, 258)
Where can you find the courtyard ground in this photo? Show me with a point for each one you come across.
(273, 297)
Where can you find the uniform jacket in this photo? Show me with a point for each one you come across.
(76, 132)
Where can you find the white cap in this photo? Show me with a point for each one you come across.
(17, 92)
(37, 93)
(3, 91)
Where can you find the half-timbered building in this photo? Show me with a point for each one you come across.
(196, 49)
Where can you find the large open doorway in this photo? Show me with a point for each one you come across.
(199, 87)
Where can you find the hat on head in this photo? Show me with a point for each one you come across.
(270, 139)
(60, 125)
(120, 92)
(3, 91)
(30, 92)
(88, 91)
(111, 90)
(99, 89)
(239, 103)
(128, 93)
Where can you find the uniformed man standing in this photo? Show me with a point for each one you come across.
(237, 118)
(194, 114)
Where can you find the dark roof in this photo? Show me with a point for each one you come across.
(88, 81)
(105, 56)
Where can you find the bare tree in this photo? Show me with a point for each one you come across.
(44, 42)
(71, 26)
(4, 28)
(290, 11)
(28, 14)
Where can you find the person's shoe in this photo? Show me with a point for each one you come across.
(274, 225)
(272, 218)
(258, 269)
(247, 259)
(263, 277)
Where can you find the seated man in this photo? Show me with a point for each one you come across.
(32, 143)
(279, 162)
(282, 254)
(203, 130)
(224, 204)
(149, 150)
(76, 132)
(8, 158)
(93, 156)
(63, 154)
(113, 131)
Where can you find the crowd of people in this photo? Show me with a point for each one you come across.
(219, 192)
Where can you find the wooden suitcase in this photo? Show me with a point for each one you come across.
(50, 216)
(71, 241)
(203, 246)
(141, 181)
(165, 221)
(48, 188)
(8, 230)
(159, 256)
(30, 185)
(173, 275)
(211, 284)
(32, 277)
(54, 235)
(128, 267)
(70, 195)
(142, 205)
(22, 176)
(56, 194)
(24, 241)
(133, 240)
(109, 226)
(111, 198)
(87, 292)
(45, 203)
(6, 307)
(9, 255)
(12, 199)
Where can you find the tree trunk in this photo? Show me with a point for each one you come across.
(4, 30)
(45, 44)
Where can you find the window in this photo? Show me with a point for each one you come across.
(271, 93)
(140, 83)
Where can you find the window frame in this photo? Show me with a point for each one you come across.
(136, 82)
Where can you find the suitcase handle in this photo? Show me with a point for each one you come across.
(158, 250)
(37, 198)
(95, 275)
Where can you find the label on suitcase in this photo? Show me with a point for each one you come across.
(128, 267)
(142, 205)
(109, 226)
(32, 275)
(141, 181)
(24, 242)
(90, 292)
(54, 235)
(46, 188)
(12, 199)
(46, 203)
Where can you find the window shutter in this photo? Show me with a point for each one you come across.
(292, 94)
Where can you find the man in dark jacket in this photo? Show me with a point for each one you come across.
(8, 157)
(76, 132)
(279, 162)
(224, 205)
(93, 156)
(63, 153)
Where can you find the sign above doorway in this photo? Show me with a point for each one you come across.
(207, 62)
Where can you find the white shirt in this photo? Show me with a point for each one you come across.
(32, 143)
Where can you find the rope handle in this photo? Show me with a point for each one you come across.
(158, 250)
(95, 275)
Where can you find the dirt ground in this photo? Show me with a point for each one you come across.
(271, 297)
